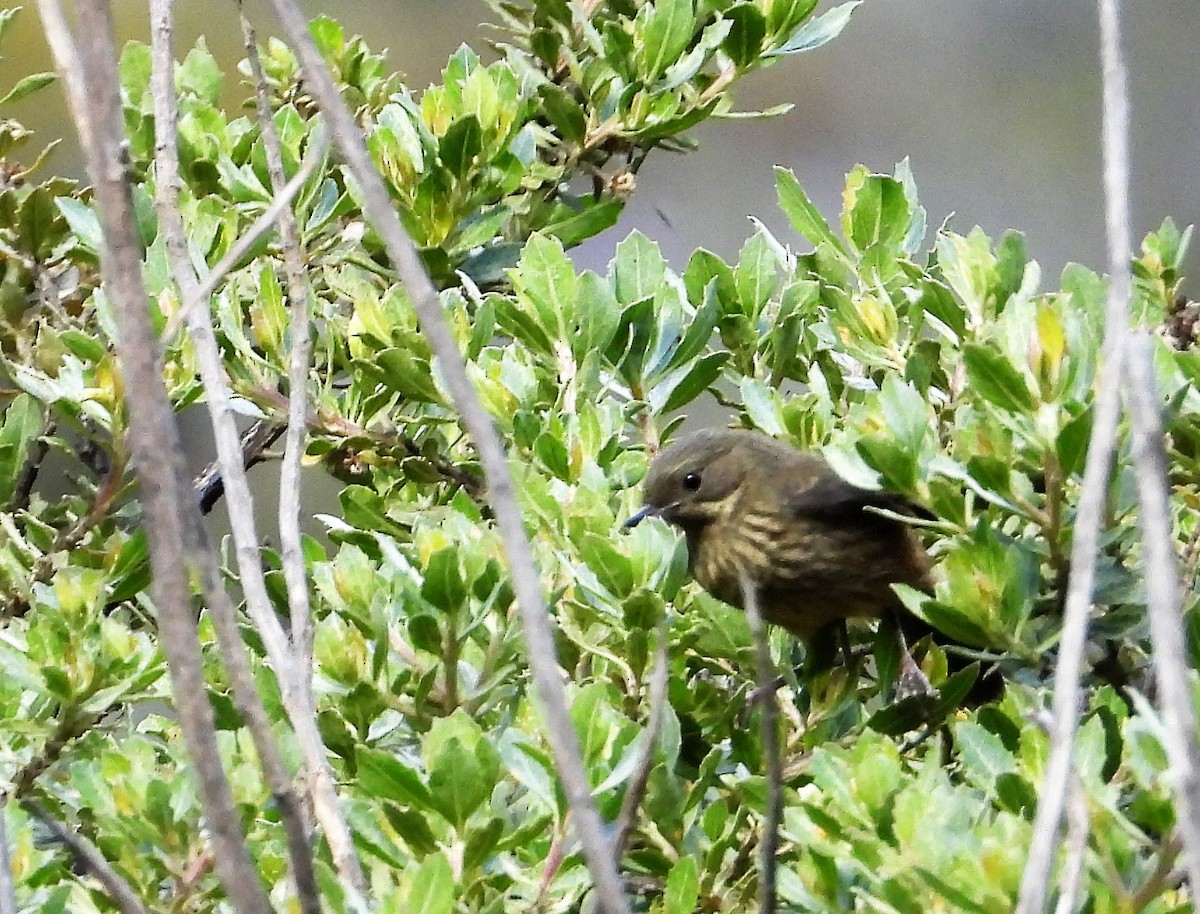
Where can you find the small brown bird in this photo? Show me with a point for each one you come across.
(748, 503)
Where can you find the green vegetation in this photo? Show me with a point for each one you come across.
(938, 365)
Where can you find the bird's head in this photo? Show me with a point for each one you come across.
(691, 482)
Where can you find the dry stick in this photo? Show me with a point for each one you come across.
(526, 585)
(152, 436)
(291, 547)
(1160, 560)
(8, 895)
(245, 693)
(256, 439)
(765, 693)
(1171, 666)
(1078, 829)
(645, 763)
(1084, 550)
(89, 858)
(240, 504)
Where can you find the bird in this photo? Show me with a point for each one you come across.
(812, 544)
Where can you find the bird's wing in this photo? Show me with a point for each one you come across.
(829, 497)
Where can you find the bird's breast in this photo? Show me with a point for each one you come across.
(807, 572)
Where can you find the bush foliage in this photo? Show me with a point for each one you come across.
(938, 365)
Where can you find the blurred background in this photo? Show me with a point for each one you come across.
(997, 105)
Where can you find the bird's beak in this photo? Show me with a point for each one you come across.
(646, 511)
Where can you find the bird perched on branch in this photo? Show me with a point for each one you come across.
(806, 537)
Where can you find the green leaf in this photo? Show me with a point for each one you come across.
(432, 888)
(545, 279)
(907, 414)
(598, 314)
(564, 112)
(412, 827)
(785, 15)
(661, 32)
(408, 374)
(443, 586)
(27, 85)
(744, 43)
(461, 145)
(876, 211)
(637, 269)
(683, 887)
(199, 75)
(83, 222)
(577, 227)
(984, 757)
(995, 379)
(802, 213)
(687, 382)
(699, 330)
(761, 404)
(482, 843)
(382, 774)
(757, 272)
(816, 32)
(22, 425)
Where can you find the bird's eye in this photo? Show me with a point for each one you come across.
(691, 482)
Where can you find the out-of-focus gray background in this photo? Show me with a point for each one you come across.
(996, 104)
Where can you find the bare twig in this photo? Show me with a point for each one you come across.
(296, 698)
(1160, 877)
(90, 70)
(379, 210)
(765, 693)
(1078, 829)
(89, 858)
(291, 549)
(210, 485)
(645, 763)
(1084, 549)
(1171, 667)
(8, 894)
(324, 422)
(1161, 563)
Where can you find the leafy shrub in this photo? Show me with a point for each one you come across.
(937, 367)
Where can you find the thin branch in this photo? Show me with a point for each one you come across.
(547, 676)
(240, 504)
(90, 71)
(1161, 563)
(1085, 548)
(636, 791)
(88, 857)
(291, 546)
(8, 894)
(1171, 667)
(1086, 545)
(324, 422)
(1078, 830)
(765, 693)
(1161, 876)
(210, 485)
